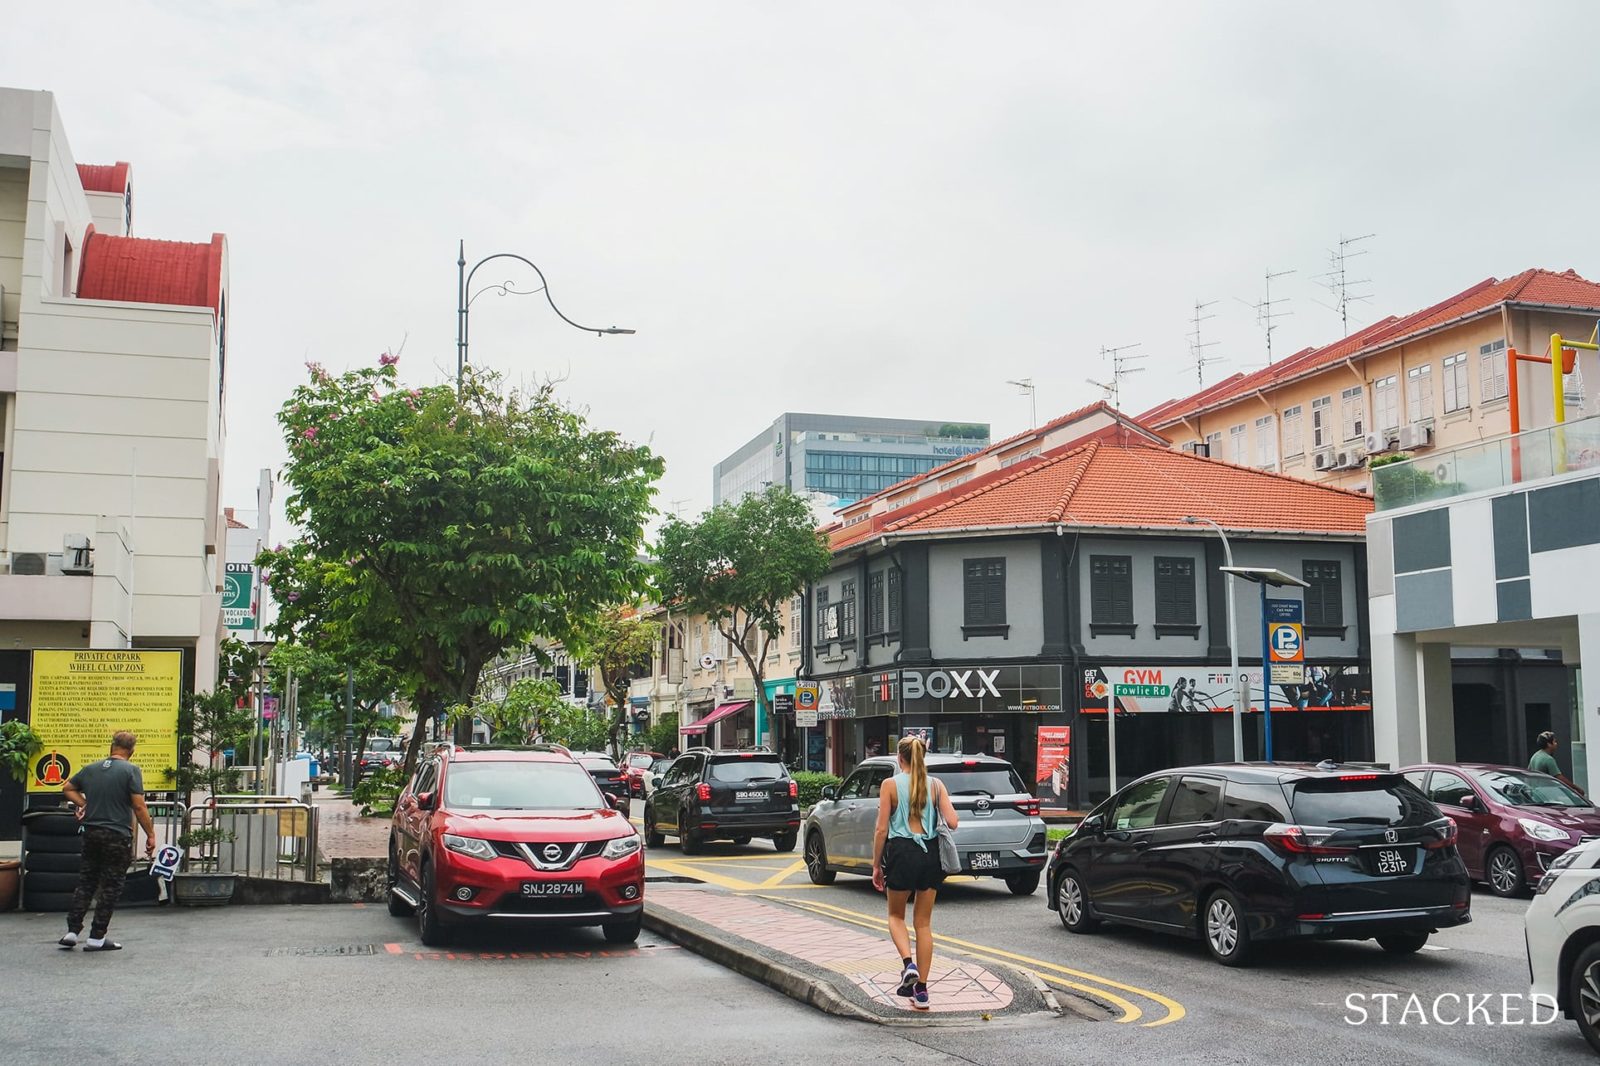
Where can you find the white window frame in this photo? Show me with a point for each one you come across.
(1457, 393)
(1492, 381)
(1353, 412)
(1214, 444)
(1266, 442)
(1321, 427)
(1419, 393)
(1386, 403)
(1293, 435)
(1236, 444)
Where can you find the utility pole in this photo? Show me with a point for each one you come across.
(1266, 316)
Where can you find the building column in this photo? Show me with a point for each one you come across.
(1585, 747)
(1396, 693)
(1436, 703)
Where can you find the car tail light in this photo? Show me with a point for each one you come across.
(1448, 837)
(794, 789)
(1358, 777)
(1292, 840)
(1310, 917)
(1029, 807)
(702, 792)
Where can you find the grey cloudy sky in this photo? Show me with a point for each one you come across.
(883, 208)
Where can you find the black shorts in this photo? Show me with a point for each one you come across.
(910, 867)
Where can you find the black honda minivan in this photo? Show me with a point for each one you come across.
(1244, 852)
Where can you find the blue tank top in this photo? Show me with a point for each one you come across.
(900, 817)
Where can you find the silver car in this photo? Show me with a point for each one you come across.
(1000, 835)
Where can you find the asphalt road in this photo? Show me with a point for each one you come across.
(1165, 1000)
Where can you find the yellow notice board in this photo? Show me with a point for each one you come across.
(80, 698)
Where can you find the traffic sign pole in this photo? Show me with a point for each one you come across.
(1111, 732)
(1266, 670)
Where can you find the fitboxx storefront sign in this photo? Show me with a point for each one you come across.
(975, 689)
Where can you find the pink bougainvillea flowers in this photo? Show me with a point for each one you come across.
(388, 360)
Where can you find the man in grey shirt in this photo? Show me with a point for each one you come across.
(108, 795)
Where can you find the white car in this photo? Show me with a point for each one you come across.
(1563, 936)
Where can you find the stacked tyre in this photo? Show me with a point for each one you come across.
(51, 851)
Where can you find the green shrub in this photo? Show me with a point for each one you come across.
(378, 791)
(811, 785)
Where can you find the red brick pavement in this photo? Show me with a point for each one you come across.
(867, 961)
(343, 834)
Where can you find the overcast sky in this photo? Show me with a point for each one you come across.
(884, 208)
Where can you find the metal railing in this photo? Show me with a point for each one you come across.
(1539, 453)
(257, 836)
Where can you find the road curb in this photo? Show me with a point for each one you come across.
(805, 988)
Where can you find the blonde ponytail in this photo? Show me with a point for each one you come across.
(911, 749)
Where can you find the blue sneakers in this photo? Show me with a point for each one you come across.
(909, 979)
(919, 1000)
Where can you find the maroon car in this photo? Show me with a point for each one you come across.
(1513, 822)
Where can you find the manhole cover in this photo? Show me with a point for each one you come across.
(326, 950)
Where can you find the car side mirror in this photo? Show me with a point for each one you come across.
(427, 800)
(829, 792)
(1468, 800)
(616, 802)
(1095, 824)
(655, 780)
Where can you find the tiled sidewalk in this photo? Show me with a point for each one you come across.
(343, 834)
(868, 961)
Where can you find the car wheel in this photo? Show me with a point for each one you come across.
(624, 932)
(1403, 943)
(398, 908)
(688, 840)
(430, 927)
(1226, 935)
(1504, 872)
(1583, 993)
(1072, 904)
(817, 860)
(1023, 884)
(784, 841)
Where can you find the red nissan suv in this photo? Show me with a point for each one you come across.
(513, 836)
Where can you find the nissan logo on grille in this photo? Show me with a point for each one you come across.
(552, 852)
(1390, 835)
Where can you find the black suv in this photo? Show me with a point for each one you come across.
(724, 795)
(1244, 852)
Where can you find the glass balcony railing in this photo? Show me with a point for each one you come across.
(1491, 464)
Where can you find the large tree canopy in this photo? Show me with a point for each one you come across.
(454, 525)
(739, 565)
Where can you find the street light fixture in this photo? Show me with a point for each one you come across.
(464, 298)
(1266, 577)
(1233, 639)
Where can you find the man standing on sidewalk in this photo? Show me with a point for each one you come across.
(108, 795)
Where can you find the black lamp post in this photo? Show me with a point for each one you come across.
(464, 298)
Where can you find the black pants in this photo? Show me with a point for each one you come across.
(106, 857)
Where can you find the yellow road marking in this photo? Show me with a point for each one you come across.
(673, 866)
(698, 859)
(1175, 1010)
(783, 875)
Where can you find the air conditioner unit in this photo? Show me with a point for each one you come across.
(77, 556)
(1345, 460)
(1416, 435)
(28, 564)
(1379, 442)
(1322, 460)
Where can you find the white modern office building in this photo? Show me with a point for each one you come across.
(112, 384)
(842, 458)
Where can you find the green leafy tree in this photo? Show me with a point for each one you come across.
(740, 564)
(620, 643)
(321, 679)
(451, 526)
(211, 722)
(663, 736)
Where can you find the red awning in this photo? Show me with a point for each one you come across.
(715, 716)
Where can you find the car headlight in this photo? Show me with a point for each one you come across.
(1561, 862)
(621, 846)
(1543, 830)
(477, 849)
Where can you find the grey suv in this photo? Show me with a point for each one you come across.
(1000, 835)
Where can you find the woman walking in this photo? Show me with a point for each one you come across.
(905, 860)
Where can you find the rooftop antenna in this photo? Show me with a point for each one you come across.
(677, 506)
(1345, 289)
(1119, 370)
(1265, 313)
(1197, 347)
(1026, 385)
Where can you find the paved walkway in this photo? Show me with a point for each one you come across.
(862, 967)
(343, 834)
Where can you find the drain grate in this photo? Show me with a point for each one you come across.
(325, 950)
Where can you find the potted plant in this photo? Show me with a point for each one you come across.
(18, 745)
(205, 887)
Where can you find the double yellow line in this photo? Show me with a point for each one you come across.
(1103, 989)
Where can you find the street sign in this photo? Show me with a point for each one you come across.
(166, 862)
(783, 703)
(805, 719)
(1288, 673)
(1287, 641)
(237, 595)
(807, 696)
(1147, 691)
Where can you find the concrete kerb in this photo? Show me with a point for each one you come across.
(751, 960)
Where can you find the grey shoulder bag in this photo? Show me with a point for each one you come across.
(949, 857)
